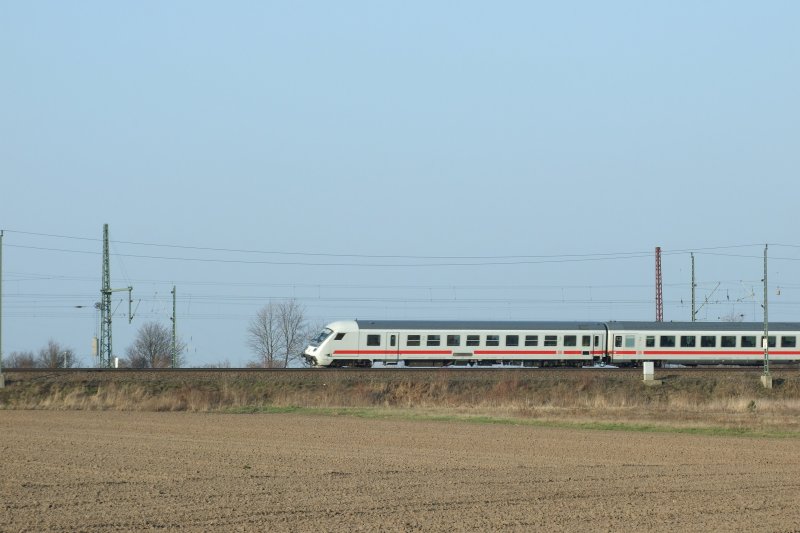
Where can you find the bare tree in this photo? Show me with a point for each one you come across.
(225, 363)
(20, 360)
(54, 355)
(292, 322)
(152, 348)
(264, 336)
(277, 333)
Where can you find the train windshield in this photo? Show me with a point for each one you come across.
(319, 339)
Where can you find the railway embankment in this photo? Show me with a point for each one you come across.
(726, 398)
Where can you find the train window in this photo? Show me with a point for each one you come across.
(473, 340)
(618, 341)
(434, 340)
(373, 340)
(319, 339)
(650, 341)
(630, 341)
(339, 336)
(531, 340)
(666, 341)
(412, 340)
(454, 340)
(708, 341)
(727, 341)
(688, 341)
(570, 340)
(748, 341)
(551, 340)
(586, 341)
(392, 340)
(512, 340)
(788, 342)
(492, 340)
(771, 341)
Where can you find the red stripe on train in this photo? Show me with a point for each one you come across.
(707, 352)
(392, 352)
(515, 352)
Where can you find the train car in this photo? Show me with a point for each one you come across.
(361, 343)
(693, 343)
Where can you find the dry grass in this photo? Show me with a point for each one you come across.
(724, 399)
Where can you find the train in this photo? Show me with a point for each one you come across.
(363, 343)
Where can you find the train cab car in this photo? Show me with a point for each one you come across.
(338, 337)
(444, 343)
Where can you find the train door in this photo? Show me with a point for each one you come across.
(392, 347)
(597, 348)
(603, 348)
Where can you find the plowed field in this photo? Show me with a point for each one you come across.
(101, 471)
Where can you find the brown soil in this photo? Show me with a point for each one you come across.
(101, 471)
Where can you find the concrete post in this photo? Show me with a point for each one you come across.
(649, 374)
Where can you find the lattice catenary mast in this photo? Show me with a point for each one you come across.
(106, 350)
(659, 295)
(105, 306)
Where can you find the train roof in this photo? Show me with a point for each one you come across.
(703, 326)
(511, 325)
(476, 325)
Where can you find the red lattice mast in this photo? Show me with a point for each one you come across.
(659, 295)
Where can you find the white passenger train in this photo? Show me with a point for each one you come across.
(361, 343)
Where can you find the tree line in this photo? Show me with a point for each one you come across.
(276, 336)
(54, 355)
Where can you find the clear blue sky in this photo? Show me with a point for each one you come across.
(489, 130)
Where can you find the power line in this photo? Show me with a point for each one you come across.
(551, 260)
(356, 286)
(251, 300)
(613, 255)
(554, 259)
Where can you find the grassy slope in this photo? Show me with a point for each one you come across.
(724, 402)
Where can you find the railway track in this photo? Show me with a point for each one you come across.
(391, 370)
